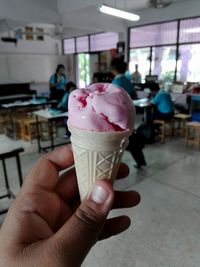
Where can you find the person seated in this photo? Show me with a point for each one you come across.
(63, 104)
(162, 104)
(118, 68)
(57, 83)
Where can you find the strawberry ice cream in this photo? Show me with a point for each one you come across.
(101, 119)
(101, 107)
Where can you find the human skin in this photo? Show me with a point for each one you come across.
(47, 226)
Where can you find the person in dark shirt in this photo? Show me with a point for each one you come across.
(136, 76)
(135, 143)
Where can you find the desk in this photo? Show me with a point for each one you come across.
(27, 104)
(50, 117)
(14, 97)
(142, 103)
(3, 156)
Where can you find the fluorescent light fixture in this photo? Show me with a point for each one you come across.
(193, 30)
(119, 13)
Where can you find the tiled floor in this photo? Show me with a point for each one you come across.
(165, 230)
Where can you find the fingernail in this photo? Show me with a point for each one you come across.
(99, 194)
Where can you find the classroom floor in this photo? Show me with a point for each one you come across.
(165, 226)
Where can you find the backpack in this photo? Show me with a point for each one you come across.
(146, 133)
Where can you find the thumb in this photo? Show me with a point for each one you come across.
(81, 231)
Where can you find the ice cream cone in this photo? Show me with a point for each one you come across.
(97, 155)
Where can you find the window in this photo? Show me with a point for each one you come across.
(155, 34)
(140, 56)
(164, 62)
(91, 43)
(188, 63)
(82, 44)
(83, 70)
(69, 46)
(103, 41)
(190, 30)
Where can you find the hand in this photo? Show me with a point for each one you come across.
(47, 226)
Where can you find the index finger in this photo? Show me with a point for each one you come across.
(45, 173)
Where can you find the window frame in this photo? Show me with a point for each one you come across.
(177, 43)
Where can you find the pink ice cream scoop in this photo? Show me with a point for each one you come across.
(101, 107)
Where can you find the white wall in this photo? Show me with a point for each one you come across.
(30, 60)
(50, 46)
(28, 68)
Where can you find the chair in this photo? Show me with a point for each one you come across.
(192, 133)
(2, 125)
(45, 129)
(29, 128)
(3, 156)
(166, 128)
(181, 120)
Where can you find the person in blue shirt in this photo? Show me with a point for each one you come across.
(118, 68)
(63, 104)
(163, 105)
(58, 83)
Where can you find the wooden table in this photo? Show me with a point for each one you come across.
(14, 108)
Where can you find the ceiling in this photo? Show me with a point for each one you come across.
(80, 17)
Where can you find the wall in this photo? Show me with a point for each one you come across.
(30, 60)
(28, 68)
(49, 46)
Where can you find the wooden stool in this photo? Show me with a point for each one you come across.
(166, 127)
(26, 128)
(181, 119)
(2, 125)
(192, 133)
(18, 125)
(45, 129)
(29, 128)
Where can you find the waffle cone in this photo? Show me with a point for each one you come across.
(97, 155)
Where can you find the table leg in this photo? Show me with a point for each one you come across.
(51, 133)
(38, 134)
(19, 170)
(145, 115)
(186, 135)
(6, 177)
